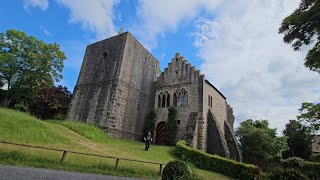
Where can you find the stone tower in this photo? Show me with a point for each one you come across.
(115, 88)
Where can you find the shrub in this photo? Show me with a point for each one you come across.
(50, 102)
(216, 163)
(175, 170)
(286, 174)
(315, 158)
(307, 168)
(171, 127)
(150, 122)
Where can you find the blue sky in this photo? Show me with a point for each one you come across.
(233, 42)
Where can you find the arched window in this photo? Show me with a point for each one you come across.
(159, 101)
(182, 99)
(168, 100)
(163, 101)
(185, 100)
(175, 100)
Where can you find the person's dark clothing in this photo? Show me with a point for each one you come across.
(148, 141)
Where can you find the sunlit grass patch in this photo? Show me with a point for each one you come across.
(22, 128)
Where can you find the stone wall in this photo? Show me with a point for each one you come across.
(181, 76)
(230, 116)
(316, 144)
(115, 88)
(138, 72)
(214, 102)
(94, 92)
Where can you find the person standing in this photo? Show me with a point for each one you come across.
(148, 141)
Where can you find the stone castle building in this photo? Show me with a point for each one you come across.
(119, 84)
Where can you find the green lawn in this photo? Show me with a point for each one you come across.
(21, 128)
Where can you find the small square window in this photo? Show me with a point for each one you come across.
(178, 121)
(105, 54)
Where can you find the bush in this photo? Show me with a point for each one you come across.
(50, 102)
(150, 122)
(216, 163)
(171, 127)
(315, 158)
(286, 174)
(307, 168)
(175, 170)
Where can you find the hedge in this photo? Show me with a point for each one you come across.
(309, 169)
(176, 169)
(216, 163)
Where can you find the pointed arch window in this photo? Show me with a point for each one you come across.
(185, 100)
(182, 98)
(159, 101)
(163, 101)
(168, 100)
(175, 100)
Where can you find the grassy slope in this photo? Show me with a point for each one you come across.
(21, 128)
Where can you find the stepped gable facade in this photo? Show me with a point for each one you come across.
(119, 83)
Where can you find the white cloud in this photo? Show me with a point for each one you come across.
(160, 16)
(244, 56)
(45, 31)
(94, 15)
(42, 4)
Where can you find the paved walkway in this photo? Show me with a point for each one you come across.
(27, 173)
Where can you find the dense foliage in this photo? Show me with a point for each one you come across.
(50, 102)
(216, 163)
(259, 142)
(307, 168)
(310, 114)
(299, 140)
(26, 64)
(171, 127)
(150, 122)
(286, 174)
(175, 170)
(302, 28)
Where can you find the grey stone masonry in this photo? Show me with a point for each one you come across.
(118, 86)
(115, 87)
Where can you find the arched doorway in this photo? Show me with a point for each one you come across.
(160, 132)
(214, 142)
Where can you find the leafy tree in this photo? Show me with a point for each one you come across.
(27, 63)
(310, 113)
(299, 140)
(302, 28)
(259, 142)
(150, 122)
(171, 127)
(50, 102)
